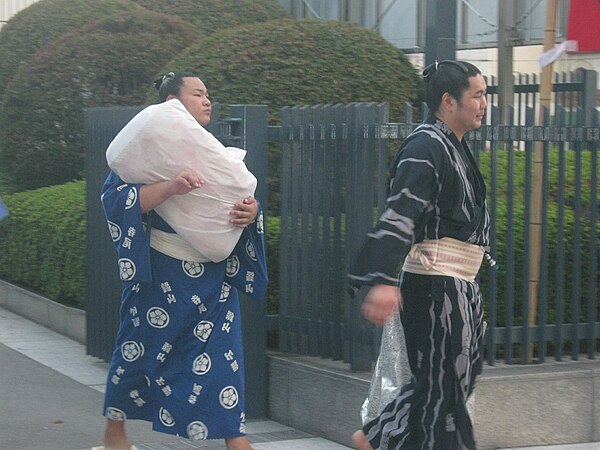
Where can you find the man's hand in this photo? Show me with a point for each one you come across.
(380, 303)
(244, 212)
(184, 182)
(152, 195)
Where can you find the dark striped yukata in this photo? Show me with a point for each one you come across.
(436, 192)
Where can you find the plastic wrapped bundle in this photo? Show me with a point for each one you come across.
(163, 140)
(391, 371)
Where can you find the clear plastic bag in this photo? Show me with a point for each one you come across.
(391, 371)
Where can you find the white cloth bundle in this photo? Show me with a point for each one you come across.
(164, 139)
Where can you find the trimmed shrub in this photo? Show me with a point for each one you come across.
(110, 62)
(33, 27)
(519, 226)
(290, 62)
(294, 62)
(43, 242)
(210, 16)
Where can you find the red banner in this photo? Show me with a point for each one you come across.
(584, 24)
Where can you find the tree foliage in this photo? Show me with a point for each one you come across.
(291, 62)
(33, 27)
(59, 57)
(109, 62)
(210, 16)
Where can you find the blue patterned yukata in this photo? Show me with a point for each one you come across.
(178, 361)
(436, 192)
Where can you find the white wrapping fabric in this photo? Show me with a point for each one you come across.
(164, 139)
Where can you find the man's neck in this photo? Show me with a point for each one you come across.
(458, 132)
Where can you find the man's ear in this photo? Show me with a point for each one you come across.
(448, 101)
(170, 97)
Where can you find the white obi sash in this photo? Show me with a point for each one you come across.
(448, 257)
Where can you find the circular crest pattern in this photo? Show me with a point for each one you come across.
(131, 198)
(233, 266)
(157, 317)
(225, 290)
(260, 224)
(126, 269)
(202, 364)
(166, 418)
(197, 431)
(115, 231)
(203, 330)
(250, 251)
(192, 269)
(228, 397)
(131, 351)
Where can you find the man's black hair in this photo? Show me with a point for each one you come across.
(170, 84)
(447, 76)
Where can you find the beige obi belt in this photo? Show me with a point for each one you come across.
(447, 257)
(171, 244)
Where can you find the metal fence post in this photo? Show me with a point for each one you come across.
(589, 97)
(253, 132)
(103, 287)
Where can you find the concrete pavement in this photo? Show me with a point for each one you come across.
(51, 398)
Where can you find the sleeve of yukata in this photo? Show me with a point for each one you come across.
(250, 255)
(128, 231)
(415, 185)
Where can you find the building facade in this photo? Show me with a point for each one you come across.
(402, 22)
(9, 8)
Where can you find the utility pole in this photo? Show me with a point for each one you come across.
(535, 221)
(440, 30)
(506, 40)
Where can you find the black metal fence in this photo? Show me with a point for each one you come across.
(334, 179)
(333, 176)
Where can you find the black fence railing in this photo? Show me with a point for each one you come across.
(333, 183)
(334, 178)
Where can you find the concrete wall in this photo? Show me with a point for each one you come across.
(62, 319)
(515, 406)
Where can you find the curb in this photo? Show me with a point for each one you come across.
(65, 320)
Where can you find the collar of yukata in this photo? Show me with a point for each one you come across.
(433, 120)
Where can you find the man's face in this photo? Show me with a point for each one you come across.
(194, 96)
(471, 107)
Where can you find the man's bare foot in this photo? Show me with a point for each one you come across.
(360, 441)
(238, 443)
(115, 437)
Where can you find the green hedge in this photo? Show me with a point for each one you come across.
(299, 62)
(43, 239)
(58, 57)
(43, 242)
(519, 227)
